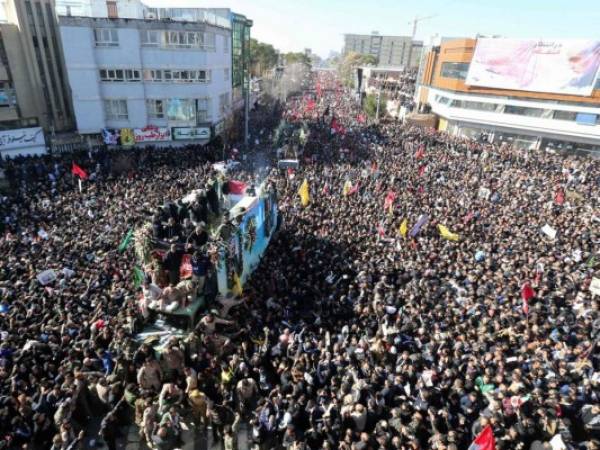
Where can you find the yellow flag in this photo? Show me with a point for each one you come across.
(303, 193)
(347, 187)
(237, 285)
(403, 228)
(447, 234)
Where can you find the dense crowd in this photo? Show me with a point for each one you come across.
(362, 328)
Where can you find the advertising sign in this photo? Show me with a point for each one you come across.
(568, 66)
(152, 134)
(191, 133)
(21, 138)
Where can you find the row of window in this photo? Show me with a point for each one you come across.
(172, 109)
(572, 116)
(159, 75)
(109, 37)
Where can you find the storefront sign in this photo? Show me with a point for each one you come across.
(190, 133)
(21, 138)
(152, 134)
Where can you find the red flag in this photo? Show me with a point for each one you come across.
(484, 440)
(389, 200)
(76, 170)
(420, 152)
(236, 187)
(380, 230)
(361, 118)
(527, 293)
(559, 196)
(310, 105)
(422, 170)
(337, 127)
(353, 189)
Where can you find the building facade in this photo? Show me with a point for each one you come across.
(240, 61)
(136, 74)
(389, 50)
(523, 118)
(34, 81)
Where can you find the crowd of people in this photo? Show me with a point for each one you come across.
(363, 327)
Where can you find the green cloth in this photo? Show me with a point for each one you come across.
(138, 277)
(126, 240)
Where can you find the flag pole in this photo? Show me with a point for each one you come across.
(80, 187)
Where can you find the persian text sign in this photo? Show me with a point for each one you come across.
(22, 137)
(152, 134)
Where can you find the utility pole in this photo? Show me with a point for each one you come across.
(246, 113)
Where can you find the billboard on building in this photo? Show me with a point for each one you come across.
(22, 141)
(152, 134)
(191, 133)
(568, 66)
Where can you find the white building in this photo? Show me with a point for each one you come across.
(155, 79)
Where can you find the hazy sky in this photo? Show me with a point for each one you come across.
(292, 25)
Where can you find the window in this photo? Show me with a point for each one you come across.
(183, 39)
(203, 109)
(116, 109)
(155, 109)
(111, 8)
(106, 37)
(175, 75)
(153, 75)
(565, 115)
(586, 119)
(181, 109)
(523, 111)
(119, 75)
(149, 38)
(458, 71)
(225, 44)
(226, 74)
(480, 106)
(204, 76)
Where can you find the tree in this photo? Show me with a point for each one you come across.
(350, 62)
(263, 57)
(296, 57)
(370, 105)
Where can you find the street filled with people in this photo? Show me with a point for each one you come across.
(422, 291)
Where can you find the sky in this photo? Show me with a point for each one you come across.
(293, 25)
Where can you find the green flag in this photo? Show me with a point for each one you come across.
(138, 277)
(126, 240)
(591, 262)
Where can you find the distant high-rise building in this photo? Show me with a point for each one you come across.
(389, 50)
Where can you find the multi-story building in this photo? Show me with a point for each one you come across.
(147, 79)
(187, 66)
(34, 81)
(389, 50)
(532, 94)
